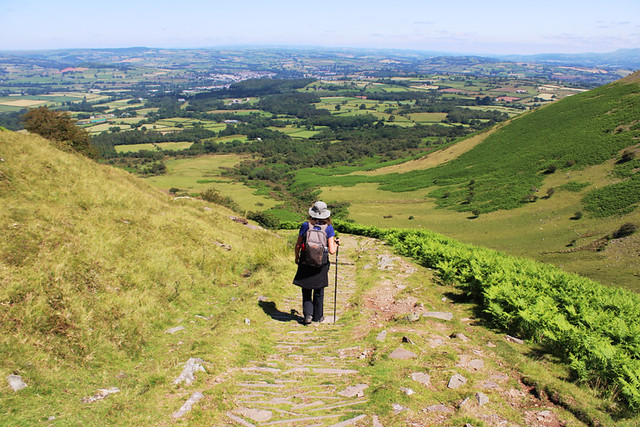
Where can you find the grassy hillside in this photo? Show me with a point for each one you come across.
(526, 180)
(583, 130)
(95, 266)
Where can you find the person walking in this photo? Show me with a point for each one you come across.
(313, 274)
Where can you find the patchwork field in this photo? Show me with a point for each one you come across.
(22, 103)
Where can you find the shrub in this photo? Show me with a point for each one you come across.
(627, 156)
(550, 169)
(212, 195)
(58, 126)
(626, 229)
(173, 190)
(264, 219)
(577, 215)
(550, 192)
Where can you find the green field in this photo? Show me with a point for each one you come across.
(134, 148)
(195, 175)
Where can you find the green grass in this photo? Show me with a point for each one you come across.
(134, 148)
(195, 175)
(95, 266)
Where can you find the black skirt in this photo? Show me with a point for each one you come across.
(309, 277)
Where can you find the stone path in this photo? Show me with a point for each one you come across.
(311, 379)
(448, 369)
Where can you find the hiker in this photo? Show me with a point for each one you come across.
(316, 241)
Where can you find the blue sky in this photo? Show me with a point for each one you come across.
(464, 26)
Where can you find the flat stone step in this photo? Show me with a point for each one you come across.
(335, 371)
(265, 385)
(240, 420)
(349, 422)
(298, 420)
(343, 405)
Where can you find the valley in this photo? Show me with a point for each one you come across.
(501, 196)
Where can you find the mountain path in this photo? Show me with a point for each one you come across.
(319, 374)
(310, 379)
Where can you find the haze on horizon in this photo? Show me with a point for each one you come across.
(463, 26)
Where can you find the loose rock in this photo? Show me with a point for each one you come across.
(422, 378)
(482, 398)
(354, 390)
(16, 383)
(397, 408)
(402, 354)
(381, 336)
(513, 339)
(456, 381)
(192, 366)
(174, 330)
(101, 394)
(462, 337)
(476, 364)
(439, 315)
(407, 391)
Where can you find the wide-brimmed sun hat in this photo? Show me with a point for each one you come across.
(319, 211)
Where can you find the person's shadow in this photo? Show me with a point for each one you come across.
(269, 307)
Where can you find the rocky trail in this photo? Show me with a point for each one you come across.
(401, 352)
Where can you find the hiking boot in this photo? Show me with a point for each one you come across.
(307, 320)
(320, 320)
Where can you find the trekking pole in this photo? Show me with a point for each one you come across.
(335, 292)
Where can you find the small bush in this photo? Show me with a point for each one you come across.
(550, 169)
(265, 219)
(212, 195)
(550, 192)
(625, 230)
(173, 190)
(576, 216)
(627, 156)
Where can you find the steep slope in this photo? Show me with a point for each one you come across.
(580, 131)
(95, 266)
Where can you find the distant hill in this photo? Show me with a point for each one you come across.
(621, 58)
(582, 130)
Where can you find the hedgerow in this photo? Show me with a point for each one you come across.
(593, 328)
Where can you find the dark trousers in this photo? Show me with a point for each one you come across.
(313, 303)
